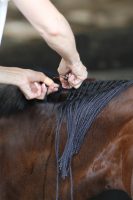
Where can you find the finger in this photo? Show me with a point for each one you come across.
(35, 91)
(74, 81)
(50, 82)
(43, 92)
(63, 71)
(66, 85)
(31, 91)
(64, 82)
(45, 79)
(36, 88)
(52, 89)
(40, 92)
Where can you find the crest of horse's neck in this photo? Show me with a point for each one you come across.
(103, 147)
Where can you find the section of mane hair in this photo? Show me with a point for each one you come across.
(11, 100)
(59, 96)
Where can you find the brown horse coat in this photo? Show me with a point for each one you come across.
(27, 153)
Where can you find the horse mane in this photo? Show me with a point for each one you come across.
(80, 110)
(13, 101)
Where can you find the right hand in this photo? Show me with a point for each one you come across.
(72, 75)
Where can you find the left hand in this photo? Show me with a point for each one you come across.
(33, 84)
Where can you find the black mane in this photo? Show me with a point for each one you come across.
(13, 101)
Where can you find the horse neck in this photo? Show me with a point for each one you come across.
(104, 145)
(30, 130)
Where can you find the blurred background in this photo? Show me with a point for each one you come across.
(104, 35)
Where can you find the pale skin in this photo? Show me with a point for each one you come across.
(56, 31)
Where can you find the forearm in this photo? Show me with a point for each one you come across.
(52, 26)
(7, 76)
(64, 42)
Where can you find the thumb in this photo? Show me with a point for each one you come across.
(63, 69)
(45, 79)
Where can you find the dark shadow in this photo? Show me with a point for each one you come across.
(112, 195)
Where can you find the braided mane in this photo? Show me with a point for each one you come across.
(79, 110)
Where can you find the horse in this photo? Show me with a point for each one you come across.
(33, 135)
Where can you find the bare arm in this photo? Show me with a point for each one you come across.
(52, 26)
(55, 30)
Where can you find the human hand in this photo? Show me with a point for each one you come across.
(72, 75)
(37, 85)
(33, 84)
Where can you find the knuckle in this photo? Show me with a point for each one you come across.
(41, 74)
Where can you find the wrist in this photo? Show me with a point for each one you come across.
(10, 75)
(79, 69)
(73, 61)
(5, 77)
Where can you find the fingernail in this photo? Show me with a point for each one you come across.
(56, 85)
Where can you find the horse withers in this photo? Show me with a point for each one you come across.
(43, 141)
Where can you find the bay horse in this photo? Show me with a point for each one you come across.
(28, 157)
